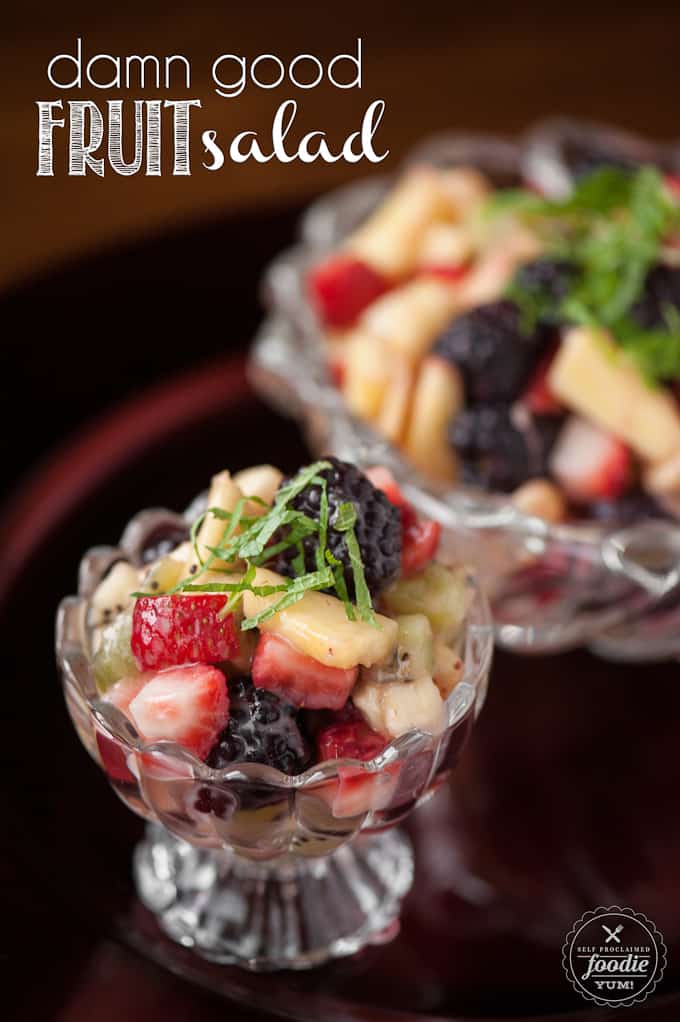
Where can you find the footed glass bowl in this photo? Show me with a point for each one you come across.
(247, 865)
(614, 586)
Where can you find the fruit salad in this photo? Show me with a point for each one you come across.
(517, 343)
(297, 620)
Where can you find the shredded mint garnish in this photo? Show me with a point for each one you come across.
(611, 229)
(255, 540)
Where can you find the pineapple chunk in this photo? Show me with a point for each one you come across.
(394, 707)
(410, 317)
(391, 421)
(225, 494)
(446, 245)
(465, 189)
(258, 481)
(438, 592)
(448, 668)
(591, 375)
(663, 479)
(437, 398)
(542, 499)
(367, 373)
(389, 240)
(318, 626)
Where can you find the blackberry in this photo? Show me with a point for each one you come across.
(261, 729)
(661, 290)
(491, 351)
(497, 451)
(377, 527)
(547, 283)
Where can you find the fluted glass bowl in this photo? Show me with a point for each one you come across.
(247, 864)
(552, 587)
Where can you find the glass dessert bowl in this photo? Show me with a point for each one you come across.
(515, 351)
(273, 680)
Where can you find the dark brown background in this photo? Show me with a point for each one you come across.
(82, 258)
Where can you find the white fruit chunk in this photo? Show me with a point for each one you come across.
(410, 317)
(663, 479)
(224, 494)
(541, 499)
(318, 626)
(437, 398)
(258, 481)
(392, 708)
(112, 595)
(389, 240)
(591, 375)
(393, 414)
(367, 373)
(448, 667)
(446, 245)
(465, 190)
(488, 278)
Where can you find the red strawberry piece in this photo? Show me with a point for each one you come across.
(538, 397)
(352, 739)
(342, 287)
(172, 630)
(419, 536)
(672, 182)
(383, 479)
(589, 463)
(419, 542)
(188, 705)
(448, 272)
(299, 679)
(113, 754)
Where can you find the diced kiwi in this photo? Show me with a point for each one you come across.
(438, 592)
(113, 659)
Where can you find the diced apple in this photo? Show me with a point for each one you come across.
(495, 267)
(389, 240)
(410, 317)
(394, 707)
(594, 377)
(258, 481)
(224, 494)
(318, 626)
(437, 398)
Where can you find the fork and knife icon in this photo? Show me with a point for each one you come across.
(612, 934)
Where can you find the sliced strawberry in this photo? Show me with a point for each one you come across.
(113, 754)
(299, 679)
(352, 739)
(672, 182)
(589, 463)
(449, 272)
(188, 705)
(383, 479)
(342, 287)
(538, 397)
(419, 541)
(419, 536)
(172, 630)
